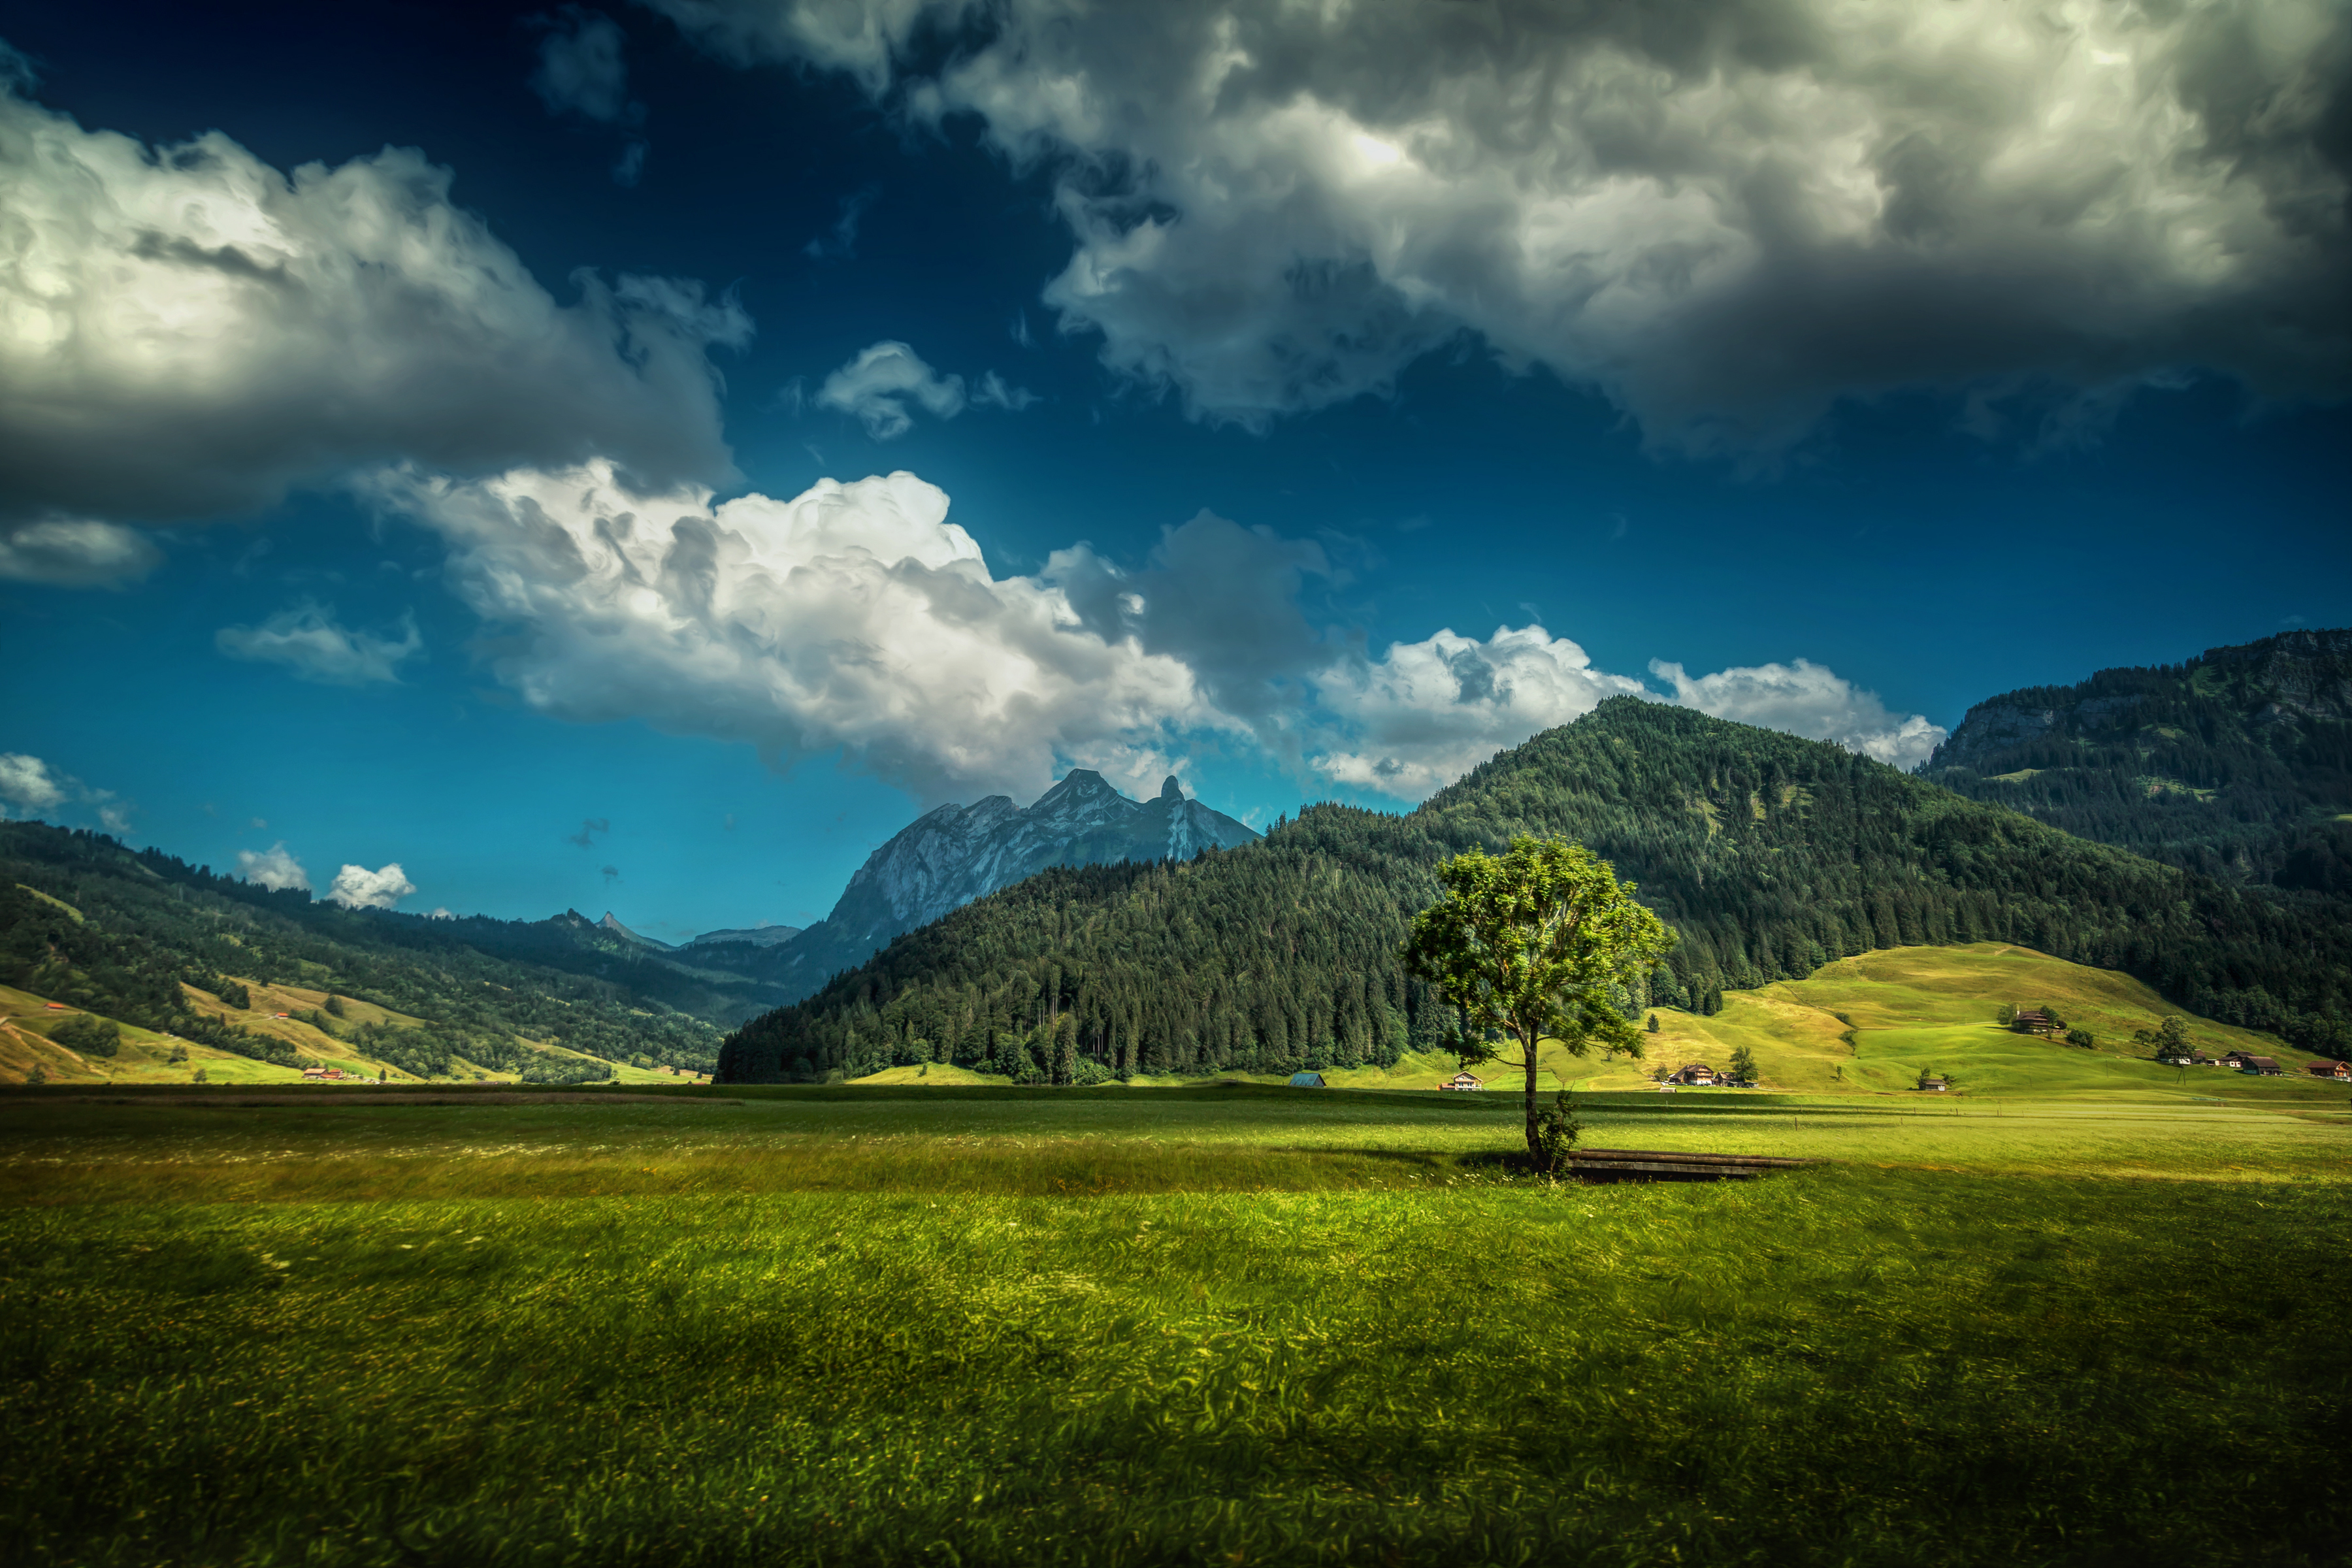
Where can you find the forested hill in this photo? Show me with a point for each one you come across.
(2237, 763)
(86, 921)
(1770, 856)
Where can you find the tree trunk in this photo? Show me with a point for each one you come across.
(1535, 1144)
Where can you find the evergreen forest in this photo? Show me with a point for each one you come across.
(2236, 764)
(1768, 854)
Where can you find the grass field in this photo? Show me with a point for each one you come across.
(1217, 1324)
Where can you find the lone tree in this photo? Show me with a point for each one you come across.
(1533, 944)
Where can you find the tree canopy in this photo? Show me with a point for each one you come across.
(1539, 943)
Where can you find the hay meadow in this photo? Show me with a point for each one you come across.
(1222, 1324)
(2083, 1309)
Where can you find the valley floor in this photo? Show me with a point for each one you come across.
(1216, 1324)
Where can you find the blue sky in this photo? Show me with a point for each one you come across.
(1308, 414)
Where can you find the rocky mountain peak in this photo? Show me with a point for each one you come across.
(955, 854)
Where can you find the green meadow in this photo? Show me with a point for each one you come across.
(1228, 1323)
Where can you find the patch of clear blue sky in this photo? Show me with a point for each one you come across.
(1930, 566)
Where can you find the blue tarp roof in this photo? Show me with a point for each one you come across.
(1307, 1080)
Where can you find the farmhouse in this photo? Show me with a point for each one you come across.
(2033, 1021)
(1463, 1080)
(1307, 1080)
(2248, 1062)
(1935, 1085)
(1694, 1073)
(2328, 1070)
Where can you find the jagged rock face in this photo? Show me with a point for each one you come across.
(611, 922)
(2306, 674)
(951, 856)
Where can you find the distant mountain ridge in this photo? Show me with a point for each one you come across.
(752, 936)
(1768, 855)
(2237, 763)
(952, 855)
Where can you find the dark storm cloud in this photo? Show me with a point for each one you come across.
(187, 331)
(1726, 214)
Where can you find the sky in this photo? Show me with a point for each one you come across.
(498, 460)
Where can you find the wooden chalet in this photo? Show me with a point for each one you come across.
(2325, 1069)
(1464, 1081)
(2262, 1067)
(1698, 1073)
(2033, 1021)
(1935, 1085)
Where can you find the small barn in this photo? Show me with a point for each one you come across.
(1463, 1080)
(2263, 1066)
(1307, 1080)
(1935, 1085)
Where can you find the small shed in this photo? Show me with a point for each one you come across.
(1463, 1080)
(1307, 1080)
(1935, 1085)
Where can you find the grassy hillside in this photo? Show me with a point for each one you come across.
(1770, 856)
(180, 960)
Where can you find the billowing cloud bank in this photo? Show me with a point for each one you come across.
(185, 330)
(1724, 214)
(850, 616)
(357, 888)
(857, 617)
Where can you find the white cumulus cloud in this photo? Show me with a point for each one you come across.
(853, 615)
(76, 553)
(357, 888)
(855, 618)
(185, 330)
(1806, 699)
(1424, 713)
(309, 641)
(27, 784)
(30, 786)
(877, 386)
(1725, 215)
(273, 868)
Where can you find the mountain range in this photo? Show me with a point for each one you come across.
(2190, 823)
(1768, 855)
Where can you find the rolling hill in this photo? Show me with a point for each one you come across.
(177, 958)
(1770, 856)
